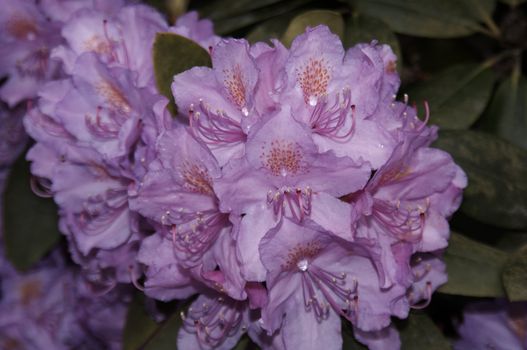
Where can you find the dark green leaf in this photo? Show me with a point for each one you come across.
(428, 18)
(362, 28)
(515, 276)
(244, 344)
(474, 269)
(513, 2)
(217, 10)
(418, 332)
(139, 327)
(166, 336)
(233, 23)
(348, 340)
(497, 190)
(174, 54)
(456, 96)
(31, 222)
(271, 29)
(507, 113)
(313, 18)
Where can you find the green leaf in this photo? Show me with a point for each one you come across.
(362, 28)
(271, 29)
(513, 2)
(165, 337)
(313, 18)
(233, 23)
(348, 339)
(497, 190)
(174, 54)
(507, 113)
(474, 269)
(427, 18)
(217, 10)
(456, 96)
(142, 332)
(515, 276)
(139, 327)
(419, 332)
(31, 222)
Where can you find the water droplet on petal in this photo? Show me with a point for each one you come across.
(313, 100)
(303, 265)
(245, 111)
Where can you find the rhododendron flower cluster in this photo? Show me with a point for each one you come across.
(300, 193)
(292, 192)
(96, 130)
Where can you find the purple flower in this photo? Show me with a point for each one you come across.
(493, 325)
(123, 39)
(26, 40)
(282, 174)
(314, 277)
(200, 31)
(45, 308)
(337, 93)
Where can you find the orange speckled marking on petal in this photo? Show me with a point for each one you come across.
(98, 45)
(301, 251)
(197, 178)
(395, 175)
(234, 85)
(114, 96)
(30, 291)
(21, 27)
(391, 67)
(314, 79)
(283, 158)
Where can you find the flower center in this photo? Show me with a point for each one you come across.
(314, 79)
(196, 178)
(300, 256)
(21, 28)
(284, 158)
(30, 291)
(114, 96)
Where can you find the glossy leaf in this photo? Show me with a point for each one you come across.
(142, 332)
(361, 28)
(31, 222)
(456, 96)
(497, 190)
(348, 340)
(271, 29)
(174, 54)
(418, 332)
(427, 18)
(233, 23)
(165, 337)
(507, 113)
(217, 9)
(139, 327)
(474, 269)
(313, 18)
(513, 2)
(515, 276)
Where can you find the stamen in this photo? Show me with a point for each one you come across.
(216, 129)
(194, 237)
(298, 202)
(214, 321)
(329, 121)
